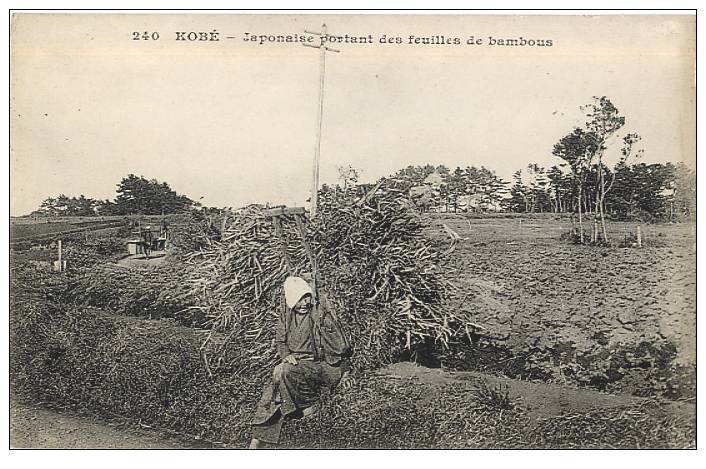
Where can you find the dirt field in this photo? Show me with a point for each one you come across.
(528, 288)
(25, 228)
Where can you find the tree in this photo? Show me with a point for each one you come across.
(518, 194)
(457, 186)
(490, 189)
(683, 191)
(65, 206)
(578, 149)
(537, 184)
(483, 188)
(348, 176)
(561, 189)
(443, 188)
(604, 121)
(643, 189)
(412, 176)
(148, 197)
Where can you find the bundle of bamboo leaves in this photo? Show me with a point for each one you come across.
(374, 265)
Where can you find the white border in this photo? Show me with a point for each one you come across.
(332, 459)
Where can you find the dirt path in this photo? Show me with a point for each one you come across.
(540, 400)
(37, 427)
(140, 260)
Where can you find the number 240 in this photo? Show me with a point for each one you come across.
(145, 36)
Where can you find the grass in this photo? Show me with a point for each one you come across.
(493, 397)
(151, 371)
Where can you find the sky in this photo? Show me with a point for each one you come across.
(232, 122)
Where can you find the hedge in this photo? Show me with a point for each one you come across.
(151, 371)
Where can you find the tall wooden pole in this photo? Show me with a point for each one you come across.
(320, 113)
(60, 256)
(317, 149)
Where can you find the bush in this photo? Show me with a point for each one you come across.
(493, 397)
(147, 371)
(81, 253)
(152, 371)
(152, 292)
(190, 231)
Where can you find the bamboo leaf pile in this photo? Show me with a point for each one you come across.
(374, 265)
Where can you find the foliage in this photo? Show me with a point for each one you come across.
(65, 206)
(377, 267)
(463, 189)
(662, 191)
(619, 427)
(683, 196)
(135, 195)
(192, 231)
(148, 197)
(152, 372)
(348, 176)
(412, 176)
(151, 292)
(148, 371)
(384, 414)
(383, 273)
(531, 191)
(493, 397)
(90, 251)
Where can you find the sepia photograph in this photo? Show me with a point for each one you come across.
(238, 230)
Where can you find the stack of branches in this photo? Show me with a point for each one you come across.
(236, 282)
(383, 272)
(374, 264)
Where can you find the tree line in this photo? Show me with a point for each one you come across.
(135, 195)
(659, 190)
(581, 182)
(664, 191)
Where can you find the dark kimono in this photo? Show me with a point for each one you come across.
(322, 351)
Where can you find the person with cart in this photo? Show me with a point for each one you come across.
(147, 240)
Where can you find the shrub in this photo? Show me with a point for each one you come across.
(147, 371)
(153, 292)
(152, 371)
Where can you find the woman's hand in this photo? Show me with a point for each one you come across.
(347, 381)
(291, 359)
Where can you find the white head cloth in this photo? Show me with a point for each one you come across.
(294, 289)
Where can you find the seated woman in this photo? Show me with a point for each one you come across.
(315, 354)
